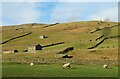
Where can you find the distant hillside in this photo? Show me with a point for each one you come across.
(75, 34)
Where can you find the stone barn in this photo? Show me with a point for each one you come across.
(38, 47)
(42, 37)
(31, 49)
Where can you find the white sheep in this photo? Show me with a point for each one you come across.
(31, 64)
(105, 66)
(67, 65)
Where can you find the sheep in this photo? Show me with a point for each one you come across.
(105, 66)
(113, 63)
(31, 64)
(67, 65)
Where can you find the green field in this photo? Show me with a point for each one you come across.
(24, 70)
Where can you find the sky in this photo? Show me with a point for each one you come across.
(21, 12)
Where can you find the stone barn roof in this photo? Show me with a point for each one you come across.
(38, 47)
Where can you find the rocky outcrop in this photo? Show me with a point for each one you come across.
(66, 50)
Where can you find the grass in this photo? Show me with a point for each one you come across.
(77, 54)
(74, 34)
(24, 70)
(71, 34)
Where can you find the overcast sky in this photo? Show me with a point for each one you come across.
(21, 12)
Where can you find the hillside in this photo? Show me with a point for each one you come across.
(75, 34)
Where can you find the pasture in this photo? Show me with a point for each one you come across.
(56, 70)
(48, 63)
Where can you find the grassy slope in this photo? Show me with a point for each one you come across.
(74, 34)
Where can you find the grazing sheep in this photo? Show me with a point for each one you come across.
(67, 65)
(105, 66)
(31, 64)
(113, 63)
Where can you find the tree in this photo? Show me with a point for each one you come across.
(107, 20)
